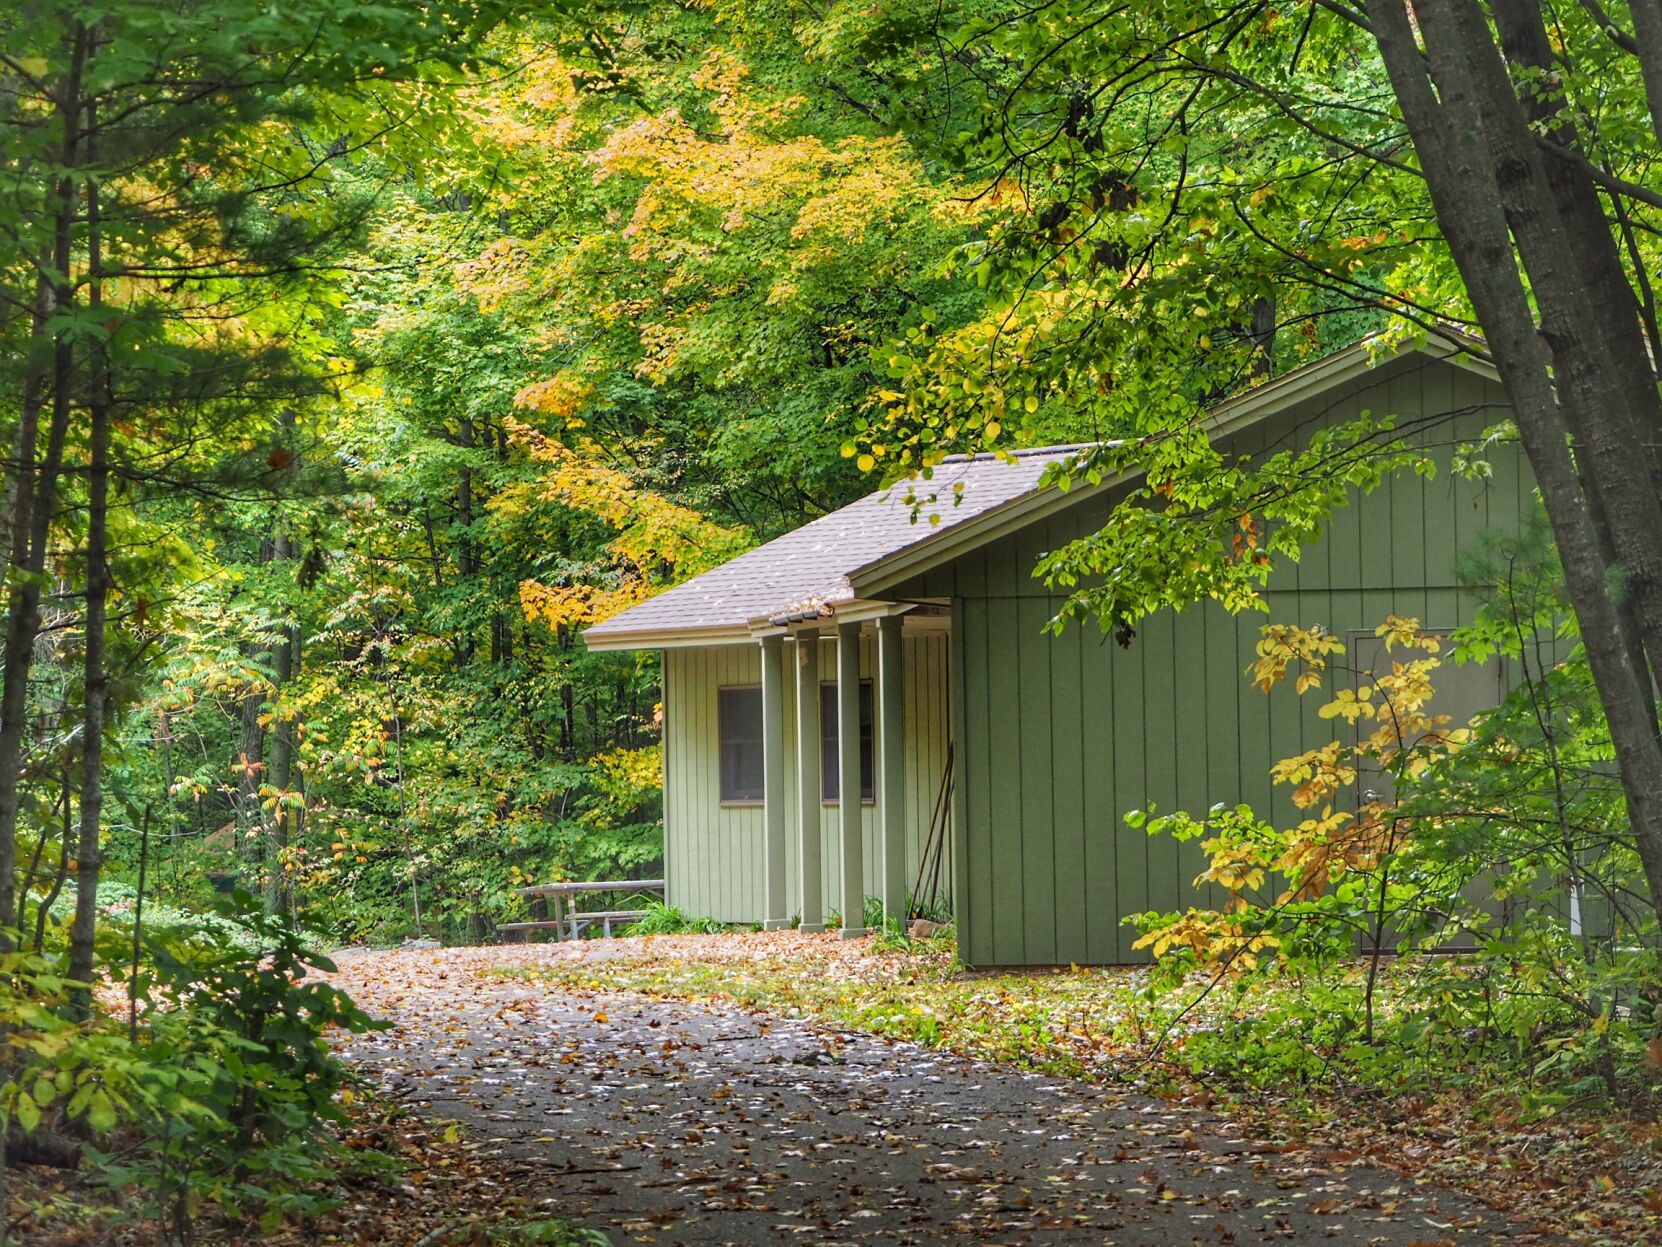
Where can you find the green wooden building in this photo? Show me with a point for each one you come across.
(925, 630)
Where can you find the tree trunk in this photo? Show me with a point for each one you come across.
(568, 697)
(37, 492)
(88, 854)
(1446, 127)
(1621, 317)
(251, 761)
(282, 825)
(1647, 37)
(1610, 407)
(35, 503)
(467, 561)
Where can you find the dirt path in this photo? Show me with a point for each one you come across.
(679, 1124)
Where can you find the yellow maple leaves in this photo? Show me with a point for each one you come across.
(562, 396)
(1226, 942)
(1392, 734)
(1318, 773)
(1281, 645)
(656, 541)
(576, 606)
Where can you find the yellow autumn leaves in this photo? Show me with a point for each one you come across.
(1395, 735)
(655, 539)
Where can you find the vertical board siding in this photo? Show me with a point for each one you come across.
(1070, 875)
(1003, 762)
(713, 852)
(1062, 736)
(975, 780)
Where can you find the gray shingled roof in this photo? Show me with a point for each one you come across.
(810, 567)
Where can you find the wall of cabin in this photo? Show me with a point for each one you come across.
(1058, 737)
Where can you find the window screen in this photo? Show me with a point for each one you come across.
(739, 723)
(828, 743)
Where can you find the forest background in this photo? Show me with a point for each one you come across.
(596, 313)
(356, 357)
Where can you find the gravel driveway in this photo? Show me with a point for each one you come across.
(672, 1123)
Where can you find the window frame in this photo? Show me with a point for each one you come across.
(742, 798)
(829, 743)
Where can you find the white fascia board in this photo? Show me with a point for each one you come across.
(874, 578)
(860, 609)
(667, 638)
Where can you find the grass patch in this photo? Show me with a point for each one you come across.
(1101, 1024)
(661, 919)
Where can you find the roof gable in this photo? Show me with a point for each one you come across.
(870, 545)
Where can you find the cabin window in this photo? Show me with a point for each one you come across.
(828, 743)
(739, 724)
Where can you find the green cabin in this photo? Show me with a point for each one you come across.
(1016, 751)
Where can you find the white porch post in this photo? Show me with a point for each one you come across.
(807, 778)
(774, 798)
(891, 767)
(848, 780)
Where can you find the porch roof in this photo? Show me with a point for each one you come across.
(807, 572)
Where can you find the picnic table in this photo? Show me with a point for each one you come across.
(568, 921)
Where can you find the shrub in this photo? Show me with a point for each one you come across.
(664, 919)
(240, 1078)
(1507, 832)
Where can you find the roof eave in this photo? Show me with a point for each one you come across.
(883, 574)
(666, 638)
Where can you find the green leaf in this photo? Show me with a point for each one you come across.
(28, 1112)
(100, 1112)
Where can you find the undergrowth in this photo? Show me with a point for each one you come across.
(1287, 1041)
(662, 919)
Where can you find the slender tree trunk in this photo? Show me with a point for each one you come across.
(279, 827)
(170, 775)
(1263, 336)
(37, 491)
(66, 839)
(467, 562)
(35, 502)
(285, 665)
(14, 504)
(568, 696)
(251, 760)
(89, 854)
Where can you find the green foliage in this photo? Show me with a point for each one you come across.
(413, 384)
(215, 1102)
(561, 373)
(1505, 837)
(236, 1035)
(59, 1070)
(872, 916)
(932, 908)
(662, 919)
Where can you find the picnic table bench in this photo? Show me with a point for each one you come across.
(568, 921)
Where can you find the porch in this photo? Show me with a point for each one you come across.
(756, 760)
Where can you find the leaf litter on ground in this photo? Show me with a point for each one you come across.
(479, 1026)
